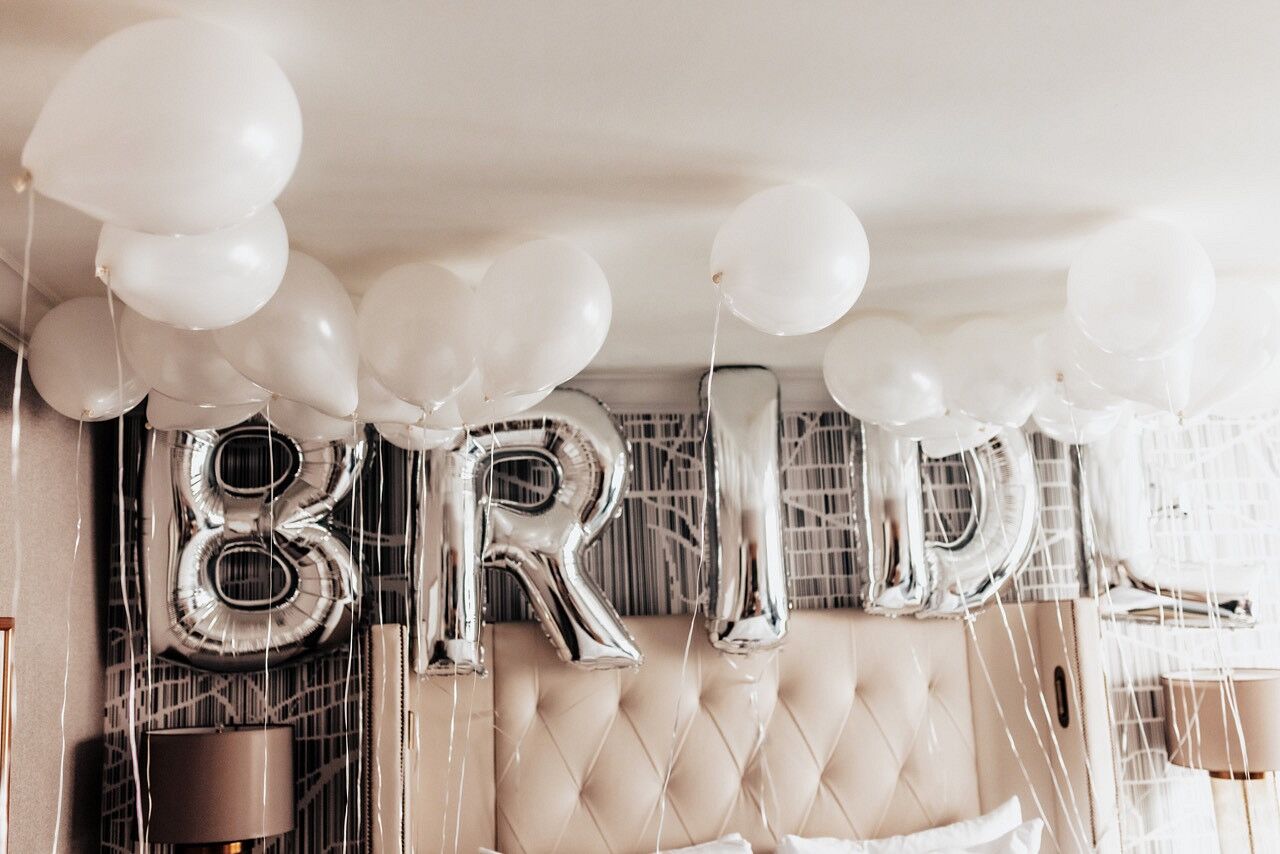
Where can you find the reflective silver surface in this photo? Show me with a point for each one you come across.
(574, 434)
(970, 571)
(448, 582)
(205, 537)
(1124, 571)
(747, 607)
(898, 579)
(906, 573)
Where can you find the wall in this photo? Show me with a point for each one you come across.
(58, 624)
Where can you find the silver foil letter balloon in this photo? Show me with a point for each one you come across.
(747, 607)
(465, 529)
(897, 579)
(907, 573)
(240, 565)
(1127, 573)
(971, 570)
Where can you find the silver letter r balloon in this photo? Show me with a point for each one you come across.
(464, 530)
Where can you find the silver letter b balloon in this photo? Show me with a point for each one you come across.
(464, 529)
(905, 572)
(747, 609)
(212, 525)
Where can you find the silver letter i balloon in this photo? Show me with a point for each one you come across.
(463, 529)
(747, 608)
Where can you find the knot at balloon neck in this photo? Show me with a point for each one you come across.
(103, 274)
(715, 279)
(22, 181)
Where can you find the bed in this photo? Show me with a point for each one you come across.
(860, 726)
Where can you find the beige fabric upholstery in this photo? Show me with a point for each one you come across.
(860, 726)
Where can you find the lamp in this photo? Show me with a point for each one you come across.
(1228, 723)
(212, 790)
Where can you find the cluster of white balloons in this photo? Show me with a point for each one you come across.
(1146, 330)
(180, 136)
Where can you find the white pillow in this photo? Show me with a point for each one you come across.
(973, 831)
(1023, 839)
(731, 844)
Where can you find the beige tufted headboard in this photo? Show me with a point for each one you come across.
(860, 726)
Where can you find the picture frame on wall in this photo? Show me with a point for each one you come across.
(6, 724)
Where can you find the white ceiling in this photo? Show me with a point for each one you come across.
(979, 142)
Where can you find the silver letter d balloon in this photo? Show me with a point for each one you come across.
(906, 572)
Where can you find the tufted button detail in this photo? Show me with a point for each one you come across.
(842, 726)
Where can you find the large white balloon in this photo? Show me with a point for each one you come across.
(950, 434)
(411, 437)
(183, 363)
(1240, 340)
(170, 126)
(76, 363)
(165, 413)
(988, 370)
(790, 260)
(1163, 383)
(469, 407)
(880, 369)
(307, 424)
(1075, 425)
(1059, 371)
(1261, 396)
(199, 281)
(1141, 289)
(547, 308)
(418, 332)
(302, 343)
(377, 404)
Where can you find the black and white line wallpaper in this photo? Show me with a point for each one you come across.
(647, 562)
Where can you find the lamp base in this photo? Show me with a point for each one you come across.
(215, 848)
(1247, 812)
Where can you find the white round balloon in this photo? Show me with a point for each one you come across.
(377, 404)
(76, 363)
(1059, 371)
(166, 413)
(184, 364)
(547, 307)
(790, 260)
(988, 370)
(171, 126)
(411, 437)
(418, 332)
(1075, 425)
(1141, 289)
(199, 281)
(470, 408)
(1163, 383)
(302, 343)
(307, 424)
(948, 435)
(1241, 339)
(880, 369)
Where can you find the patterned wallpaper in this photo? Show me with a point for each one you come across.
(647, 562)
